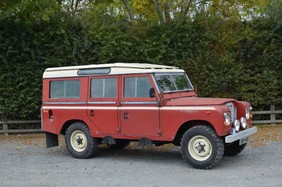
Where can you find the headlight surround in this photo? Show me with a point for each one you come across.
(243, 122)
(233, 111)
(227, 119)
(237, 125)
(248, 113)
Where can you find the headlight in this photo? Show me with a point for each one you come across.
(227, 119)
(237, 125)
(248, 113)
(243, 122)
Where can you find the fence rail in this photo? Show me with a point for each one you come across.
(5, 123)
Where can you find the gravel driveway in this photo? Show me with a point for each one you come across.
(26, 162)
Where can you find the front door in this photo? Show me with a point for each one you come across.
(138, 113)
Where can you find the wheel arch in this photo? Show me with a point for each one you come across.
(186, 126)
(68, 123)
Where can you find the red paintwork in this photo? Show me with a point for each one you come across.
(241, 109)
(156, 122)
(198, 101)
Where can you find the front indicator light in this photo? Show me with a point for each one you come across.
(248, 113)
(237, 125)
(227, 119)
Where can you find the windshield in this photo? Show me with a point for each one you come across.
(173, 82)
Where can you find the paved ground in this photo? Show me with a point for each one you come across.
(26, 162)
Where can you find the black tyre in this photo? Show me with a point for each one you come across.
(201, 147)
(79, 141)
(234, 149)
(120, 144)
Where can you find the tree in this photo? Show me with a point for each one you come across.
(75, 6)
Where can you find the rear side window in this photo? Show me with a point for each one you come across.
(103, 88)
(65, 89)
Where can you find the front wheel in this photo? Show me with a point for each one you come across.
(201, 147)
(79, 141)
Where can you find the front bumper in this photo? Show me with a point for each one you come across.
(241, 134)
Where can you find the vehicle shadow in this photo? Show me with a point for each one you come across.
(158, 155)
(166, 155)
(140, 153)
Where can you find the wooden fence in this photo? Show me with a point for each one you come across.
(21, 123)
(273, 116)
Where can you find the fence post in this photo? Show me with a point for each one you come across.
(5, 127)
(272, 114)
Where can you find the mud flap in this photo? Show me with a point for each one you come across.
(51, 140)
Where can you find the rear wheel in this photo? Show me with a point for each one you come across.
(234, 149)
(79, 141)
(201, 147)
(120, 144)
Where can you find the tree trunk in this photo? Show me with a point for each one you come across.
(159, 11)
(127, 6)
(167, 12)
(186, 4)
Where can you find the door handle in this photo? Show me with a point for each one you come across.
(125, 115)
(91, 112)
(50, 113)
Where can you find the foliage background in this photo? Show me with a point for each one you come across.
(228, 48)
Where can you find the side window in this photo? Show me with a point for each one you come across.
(65, 89)
(136, 87)
(103, 88)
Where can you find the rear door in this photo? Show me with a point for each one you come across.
(103, 103)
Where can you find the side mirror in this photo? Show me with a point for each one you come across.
(152, 93)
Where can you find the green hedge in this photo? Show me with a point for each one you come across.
(223, 58)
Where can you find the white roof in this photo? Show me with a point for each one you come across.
(116, 68)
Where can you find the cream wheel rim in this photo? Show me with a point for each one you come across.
(78, 141)
(200, 148)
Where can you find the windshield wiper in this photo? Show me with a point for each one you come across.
(175, 91)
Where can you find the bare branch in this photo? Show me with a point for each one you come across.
(76, 5)
(71, 7)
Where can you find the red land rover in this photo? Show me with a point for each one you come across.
(115, 104)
